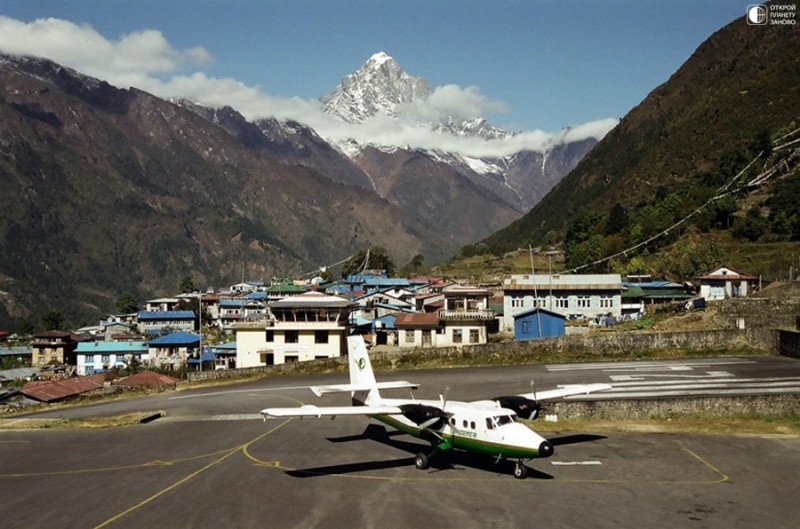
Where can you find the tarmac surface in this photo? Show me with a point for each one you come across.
(210, 463)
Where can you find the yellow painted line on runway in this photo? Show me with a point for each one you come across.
(723, 476)
(155, 463)
(241, 448)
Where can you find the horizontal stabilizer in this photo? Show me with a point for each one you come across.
(566, 391)
(310, 410)
(346, 388)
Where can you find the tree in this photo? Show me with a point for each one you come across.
(126, 303)
(187, 285)
(617, 220)
(370, 258)
(752, 227)
(24, 328)
(54, 320)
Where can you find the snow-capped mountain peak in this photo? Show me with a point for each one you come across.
(378, 87)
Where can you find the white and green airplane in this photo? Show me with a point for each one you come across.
(488, 427)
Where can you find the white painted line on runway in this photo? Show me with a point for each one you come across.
(709, 374)
(231, 391)
(644, 365)
(573, 463)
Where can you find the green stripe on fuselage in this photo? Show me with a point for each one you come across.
(465, 443)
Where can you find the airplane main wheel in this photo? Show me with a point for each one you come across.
(520, 471)
(421, 461)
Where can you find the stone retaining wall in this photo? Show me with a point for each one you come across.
(599, 345)
(770, 405)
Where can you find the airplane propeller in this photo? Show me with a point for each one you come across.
(523, 406)
(426, 417)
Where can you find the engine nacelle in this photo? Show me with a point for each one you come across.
(425, 416)
(522, 406)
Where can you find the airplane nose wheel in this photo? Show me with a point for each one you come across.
(520, 470)
(421, 461)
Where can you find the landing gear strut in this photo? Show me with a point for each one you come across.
(520, 470)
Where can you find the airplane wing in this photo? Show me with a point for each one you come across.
(346, 388)
(566, 391)
(310, 410)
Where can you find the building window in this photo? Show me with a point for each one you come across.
(458, 336)
(291, 337)
(583, 302)
(291, 359)
(517, 302)
(105, 359)
(606, 302)
(270, 336)
(562, 302)
(474, 336)
(409, 336)
(90, 359)
(526, 327)
(320, 336)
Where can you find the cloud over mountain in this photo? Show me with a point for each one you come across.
(148, 61)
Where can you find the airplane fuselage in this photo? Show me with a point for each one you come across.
(476, 427)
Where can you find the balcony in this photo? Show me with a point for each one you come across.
(466, 315)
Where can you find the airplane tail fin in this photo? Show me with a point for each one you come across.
(361, 374)
(363, 387)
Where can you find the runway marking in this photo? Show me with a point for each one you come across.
(572, 463)
(241, 448)
(723, 476)
(230, 391)
(642, 376)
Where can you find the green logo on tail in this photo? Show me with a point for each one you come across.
(361, 363)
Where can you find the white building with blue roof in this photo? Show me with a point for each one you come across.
(95, 357)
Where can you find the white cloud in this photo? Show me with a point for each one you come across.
(452, 100)
(146, 60)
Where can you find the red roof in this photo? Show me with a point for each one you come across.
(49, 391)
(149, 379)
(417, 320)
(728, 274)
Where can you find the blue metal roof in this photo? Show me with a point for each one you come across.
(232, 302)
(176, 338)
(152, 315)
(101, 347)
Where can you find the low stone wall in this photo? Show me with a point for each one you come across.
(770, 405)
(775, 313)
(599, 345)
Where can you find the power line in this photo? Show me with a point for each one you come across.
(759, 180)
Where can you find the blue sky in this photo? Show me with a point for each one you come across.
(550, 63)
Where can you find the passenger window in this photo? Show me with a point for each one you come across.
(472, 425)
(489, 423)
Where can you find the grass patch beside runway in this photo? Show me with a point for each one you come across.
(34, 423)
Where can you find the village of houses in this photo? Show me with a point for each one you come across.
(301, 321)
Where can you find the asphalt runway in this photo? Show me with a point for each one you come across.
(212, 463)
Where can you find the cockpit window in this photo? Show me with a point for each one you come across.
(505, 419)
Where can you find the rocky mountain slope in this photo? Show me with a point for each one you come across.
(680, 155)
(106, 191)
